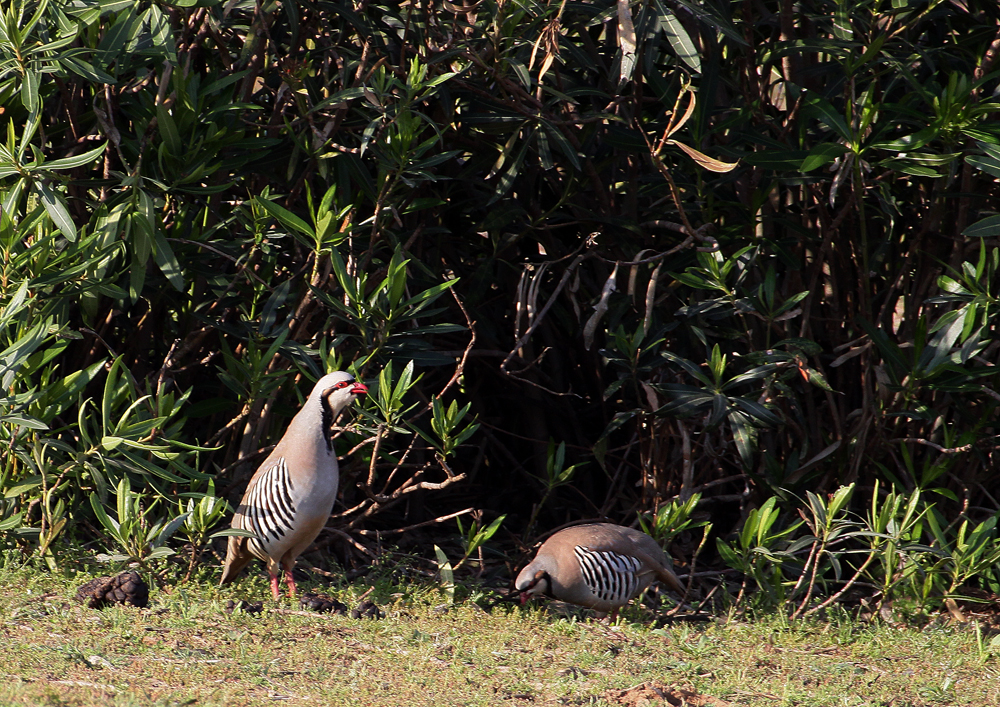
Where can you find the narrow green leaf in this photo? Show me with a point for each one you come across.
(76, 160)
(269, 314)
(165, 259)
(29, 91)
(86, 70)
(742, 438)
(987, 163)
(123, 30)
(821, 155)
(339, 98)
(709, 14)
(779, 160)
(168, 130)
(562, 144)
(522, 73)
(824, 110)
(170, 529)
(232, 532)
(161, 32)
(842, 28)
(106, 521)
(679, 40)
(909, 143)
(758, 412)
(110, 443)
(57, 211)
(285, 217)
(35, 18)
(984, 228)
(23, 421)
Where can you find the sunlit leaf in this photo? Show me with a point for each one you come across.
(57, 210)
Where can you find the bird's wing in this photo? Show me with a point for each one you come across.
(237, 551)
(609, 574)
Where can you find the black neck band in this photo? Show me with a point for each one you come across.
(327, 422)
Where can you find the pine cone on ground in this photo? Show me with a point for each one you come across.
(322, 603)
(125, 588)
(367, 610)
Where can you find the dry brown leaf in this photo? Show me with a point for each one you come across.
(545, 65)
(626, 40)
(712, 165)
(856, 351)
(674, 127)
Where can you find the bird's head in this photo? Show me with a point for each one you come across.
(532, 581)
(332, 393)
(338, 390)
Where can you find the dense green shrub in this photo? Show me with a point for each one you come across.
(737, 249)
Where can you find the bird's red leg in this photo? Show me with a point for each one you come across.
(290, 582)
(274, 587)
(613, 616)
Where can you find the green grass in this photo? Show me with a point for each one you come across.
(186, 650)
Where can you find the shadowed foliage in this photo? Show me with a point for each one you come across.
(591, 257)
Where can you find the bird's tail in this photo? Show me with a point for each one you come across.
(237, 557)
(670, 579)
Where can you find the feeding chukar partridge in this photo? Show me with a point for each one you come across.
(600, 566)
(289, 498)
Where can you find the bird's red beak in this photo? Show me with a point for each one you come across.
(359, 389)
(524, 598)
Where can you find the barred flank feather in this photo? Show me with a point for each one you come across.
(598, 565)
(611, 576)
(270, 511)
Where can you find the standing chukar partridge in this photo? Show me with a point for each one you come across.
(290, 497)
(600, 566)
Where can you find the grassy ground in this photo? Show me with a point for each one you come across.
(184, 649)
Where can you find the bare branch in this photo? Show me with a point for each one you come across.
(943, 450)
(397, 531)
(541, 315)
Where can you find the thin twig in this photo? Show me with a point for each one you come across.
(814, 559)
(460, 368)
(850, 583)
(694, 561)
(229, 426)
(541, 315)
(397, 531)
(351, 541)
(990, 392)
(367, 486)
(943, 450)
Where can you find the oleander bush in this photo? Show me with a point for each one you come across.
(595, 259)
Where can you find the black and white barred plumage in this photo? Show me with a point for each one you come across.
(290, 496)
(269, 510)
(598, 565)
(611, 576)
